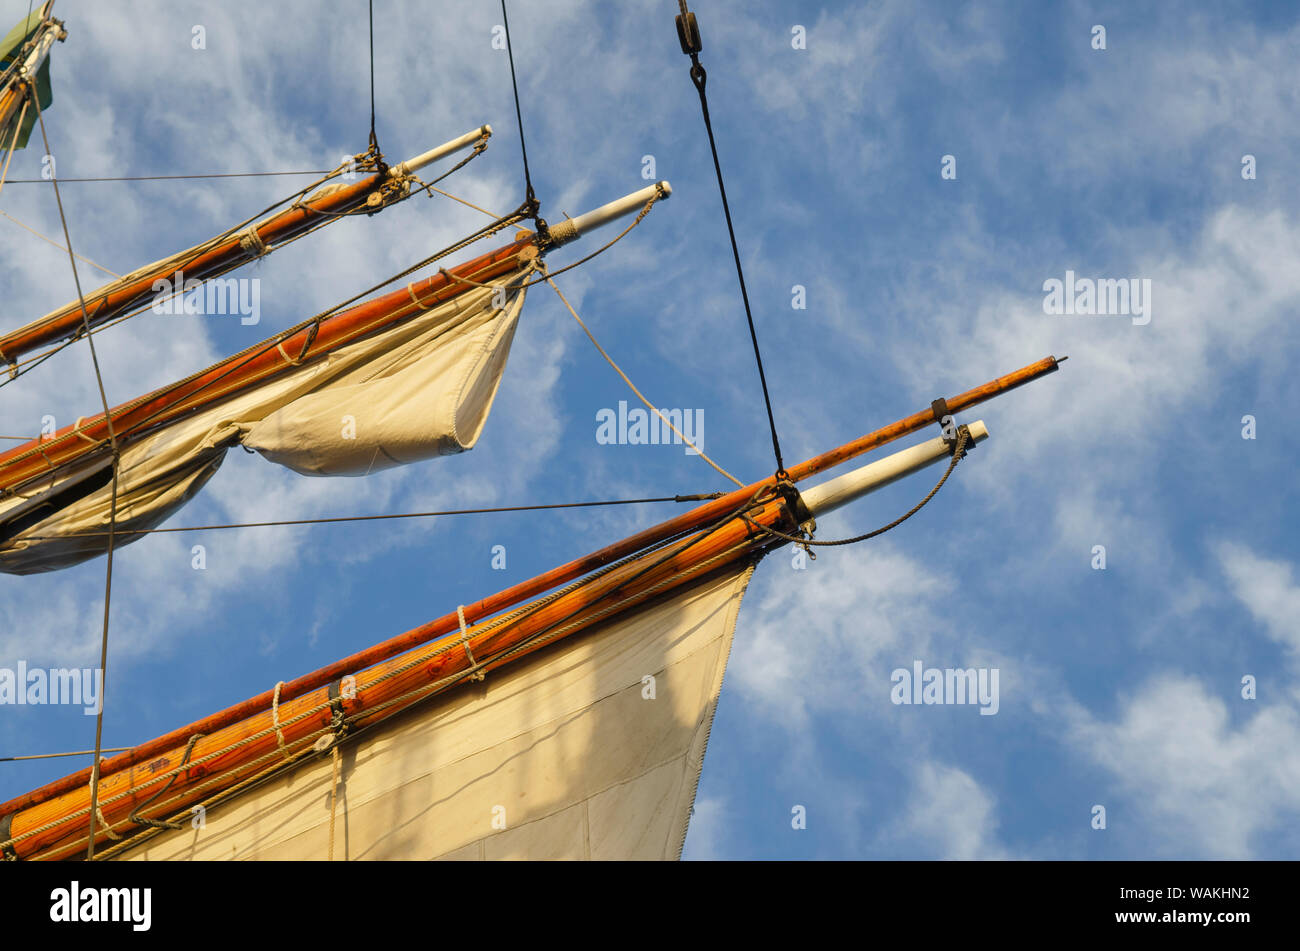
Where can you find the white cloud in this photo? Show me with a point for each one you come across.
(1193, 781)
(950, 813)
(704, 837)
(1268, 588)
(827, 637)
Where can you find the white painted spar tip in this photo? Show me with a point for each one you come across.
(442, 151)
(572, 228)
(853, 485)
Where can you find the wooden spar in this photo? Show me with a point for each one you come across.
(135, 290)
(385, 689)
(262, 361)
(488, 607)
(254, 366)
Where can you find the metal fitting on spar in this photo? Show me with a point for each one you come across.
(570, 229)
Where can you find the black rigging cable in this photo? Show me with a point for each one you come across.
(688, 32)
(374, 142)
(529, 197)
(702, 497)
(166, 178)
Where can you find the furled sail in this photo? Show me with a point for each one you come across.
(248, 241)
(401, 377)
(24, 59)
(420, 389)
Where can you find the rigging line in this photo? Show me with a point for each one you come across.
(468, 204)
(701, 497)
(13, 141)
(374, 142)
(167, 178)
(106, 749)
(699, 77)
(55, 243)
(632, 386)
(112, 510)
(529, 196)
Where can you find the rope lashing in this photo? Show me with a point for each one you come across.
(76, 428)
(464, 640)
(312, 330)
(410, 289)
(251, 243)
(161, 823)
(338, 726)
(275, 718)
(959, 450)
(99, 814)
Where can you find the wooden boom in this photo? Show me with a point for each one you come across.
(209, 260)
(253, 366)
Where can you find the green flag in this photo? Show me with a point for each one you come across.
(11, 52)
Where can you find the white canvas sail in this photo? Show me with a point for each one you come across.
(421, 389)
(589, 749)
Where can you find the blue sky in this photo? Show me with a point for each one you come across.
(1119, 687)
